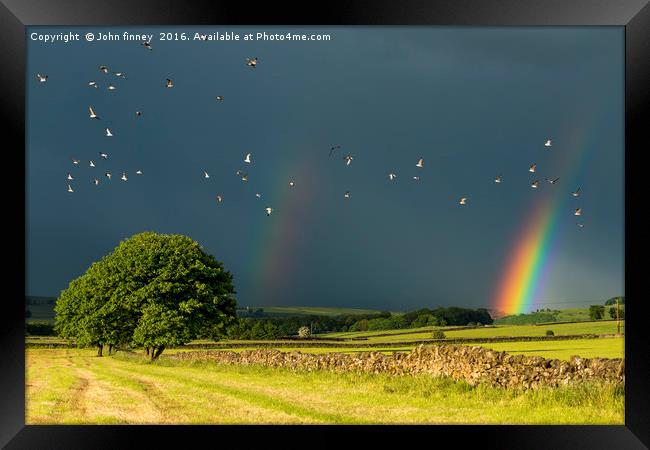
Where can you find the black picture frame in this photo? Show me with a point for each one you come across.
(633, 15)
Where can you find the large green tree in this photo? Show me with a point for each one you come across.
(152, 291)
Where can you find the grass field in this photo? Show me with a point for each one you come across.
(67, 386)
(313, 310)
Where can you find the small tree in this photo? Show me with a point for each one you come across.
(596, 312)
(612, 313)
(550, 333)
(438, 334)
(303, 332)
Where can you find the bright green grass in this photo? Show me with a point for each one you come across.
(73, 386)
(315, 350)
(406, 335)
(585, 348)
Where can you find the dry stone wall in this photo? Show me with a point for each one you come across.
(472, 364)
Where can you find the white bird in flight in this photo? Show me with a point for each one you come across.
(548, 143)
(138, 172)
(95, 181)
(420, 163)
(92, 114)
(169, 83)
(108, 175)
(581, 225)
(463, 201)
(576, 192)
(93, 84)
(124, 177)
(535, 184)
(244, 177)
(578, 212)
(205, 174)
(219, 97)
(138, 113)
(75, 162)
(103, 69)
(291, 183)
(219, 198)
(348, 159)
(147, 45)
(108, 132)
(247, 159)
(269, 210)
(70, 177)
(120, 74)
(532, 167)
(70, 188)
(347, 194)
(111, 87)
(41, 78)
(552, 181)
(258, 195)
(103, 155)
(251, 62)
(416, 178)
(92, 163)
(391, 176)
(498, 179)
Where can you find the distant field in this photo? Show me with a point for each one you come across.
(67, 386)
(405, 335)
(41, 313)
(585, 348)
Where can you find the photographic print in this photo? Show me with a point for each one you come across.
(325, 225)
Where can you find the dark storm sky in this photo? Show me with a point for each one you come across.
(474, 102)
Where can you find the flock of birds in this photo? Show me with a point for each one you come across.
(348, 158)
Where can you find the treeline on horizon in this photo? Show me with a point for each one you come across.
(252, 327)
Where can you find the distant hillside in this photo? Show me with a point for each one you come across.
(39, 300)
(283, 311)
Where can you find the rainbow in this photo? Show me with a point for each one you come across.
(529, 260)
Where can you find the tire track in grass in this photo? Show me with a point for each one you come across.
(249, 394)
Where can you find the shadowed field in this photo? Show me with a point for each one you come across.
(71, 386)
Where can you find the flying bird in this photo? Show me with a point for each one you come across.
(498, 179)
(244, 177)
(576, 192)
(138, 113)
(552, 181)
(108, 175)
(548, 143)
(535, 184)
(578, 212)
(70, 188)
(336, 147)
(581, 225)
(75, 162)
(416, 178)
(138, 172)
(93, 84)
(269, 210)
(348, 159)
(169, 83)
(124, 177)
(103, 155)
(205, 174)
(103, 69)
(420, 163)
(347, 194)
(248, 158)
(219, 97)
(147, 45)
(258, 195)
(219, 198)
(391, 176)
(108, 132)
(70, 177)
(95, 181)
(92, 113)
(251, 62)
(120, 74)
(532, 168)
(463, 201)
(41, 78)
(291, 183)
(111, 87)
(92, 164)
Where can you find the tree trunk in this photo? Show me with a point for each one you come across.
(158, 352)
(110, 349)
(146, 352)
(100, 348)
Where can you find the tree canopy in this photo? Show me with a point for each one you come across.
(152, 291)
